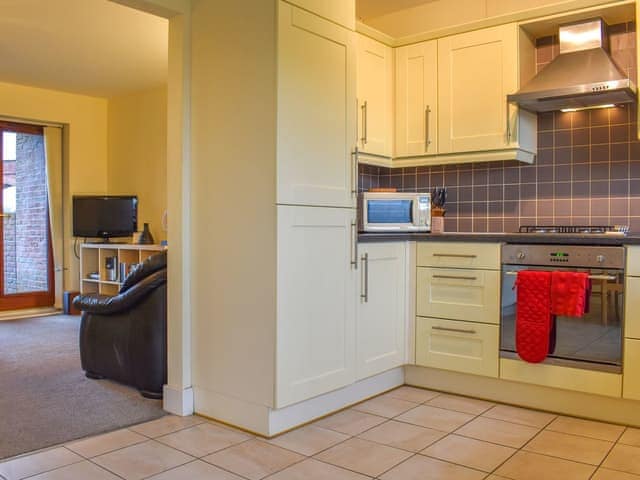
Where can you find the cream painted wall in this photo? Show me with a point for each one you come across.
(84, 145)
(137, 153)
(233, 193)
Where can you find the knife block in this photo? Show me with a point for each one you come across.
(437, 220)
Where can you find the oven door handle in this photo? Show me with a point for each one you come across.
(591, 277)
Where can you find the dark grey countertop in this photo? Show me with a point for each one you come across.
(571, 239)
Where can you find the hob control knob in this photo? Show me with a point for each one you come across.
(521, 255)
(600, 259)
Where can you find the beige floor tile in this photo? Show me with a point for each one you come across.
(165, 425)
(29, 465)
(142, 460)
(254, 459)
(385, 406)
(569, 447)
(531, 466)
(363, 456)
(309, 440)
(631, 436)
(605, 474)
(412, 394)
(312, 469)
(436, 418)
(523, 416)
(497, 431)
(624, 458)
(197, 470)
(94, 446)
(472, 406)
(203, 439)
(586, 428)
(403, 435)
(78, 471)
(425, 468)
(350, 422)
(469, 452)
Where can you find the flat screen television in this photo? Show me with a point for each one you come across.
(105, 216)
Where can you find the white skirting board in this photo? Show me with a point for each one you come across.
(268, 422)
(556, 400)
(178, 401)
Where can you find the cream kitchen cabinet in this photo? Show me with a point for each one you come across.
(476, 72)
(316, 343)
(381, 314)
(338, 11)
(467, 347)
(631, 376)
(375, 97)
(460, 294)
(316, 102)
(416, 113)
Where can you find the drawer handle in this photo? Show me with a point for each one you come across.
(454, 277)
(455, 255)
(456, 330)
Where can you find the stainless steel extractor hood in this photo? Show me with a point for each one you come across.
(582, 76)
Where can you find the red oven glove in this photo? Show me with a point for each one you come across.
(570, 293)
(534, 322)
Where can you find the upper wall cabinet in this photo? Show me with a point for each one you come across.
(342, 12)
(316, 110)
(476, 72)
(375, 97)
(417, 99)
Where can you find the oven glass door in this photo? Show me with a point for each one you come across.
(593, 341)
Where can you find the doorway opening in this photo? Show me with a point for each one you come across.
(26, 260)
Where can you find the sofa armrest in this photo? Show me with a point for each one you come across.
(107, 305)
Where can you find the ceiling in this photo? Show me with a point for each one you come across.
(91, 47)
(374, 8)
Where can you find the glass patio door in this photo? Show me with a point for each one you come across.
(26, 264)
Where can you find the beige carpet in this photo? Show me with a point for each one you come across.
(45, 399)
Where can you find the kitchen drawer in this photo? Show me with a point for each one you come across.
(631, 374)
(459, 255)
(633, 261)
(458, 294)
(460, 346)
(632, 308)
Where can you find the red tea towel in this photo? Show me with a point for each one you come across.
(570, 293)
(534, 322)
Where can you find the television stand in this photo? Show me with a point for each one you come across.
(93, 257)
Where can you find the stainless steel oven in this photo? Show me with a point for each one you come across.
(593, 341)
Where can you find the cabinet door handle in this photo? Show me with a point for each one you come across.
(354, 245)
(455, 255)
(454, 277)
(427, 140)
(508, 125)
(364, 295)
(354, 172)
(456, 330)
(364, 123)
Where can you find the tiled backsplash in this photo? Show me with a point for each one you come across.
(587, 170)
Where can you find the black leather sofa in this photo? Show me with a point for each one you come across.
(124, 337)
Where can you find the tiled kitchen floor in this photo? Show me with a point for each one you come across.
(406, 434)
